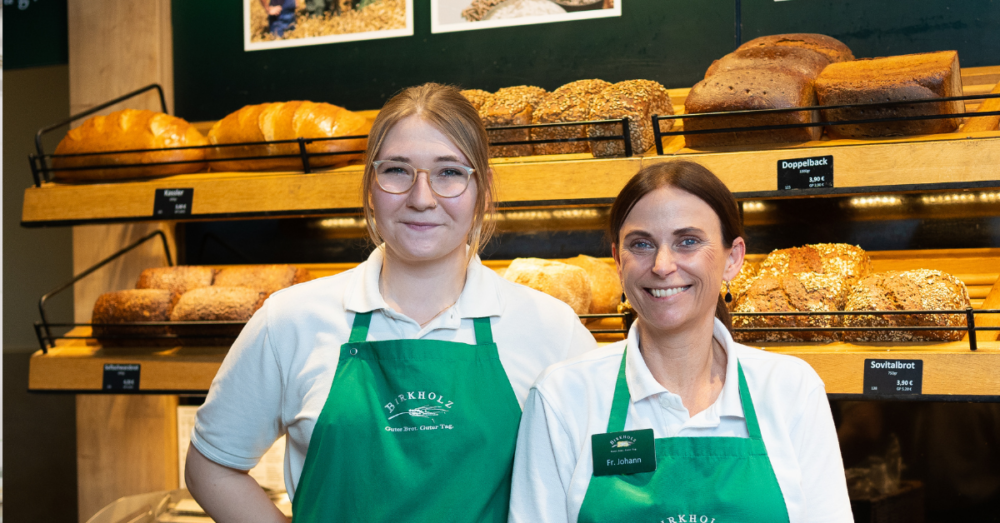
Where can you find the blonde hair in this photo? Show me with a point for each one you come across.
(444, 107)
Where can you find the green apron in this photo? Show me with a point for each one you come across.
(413, 430)
(697, 480)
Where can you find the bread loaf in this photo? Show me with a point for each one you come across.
(833, 49)
(132, 306)
(746, 89)
(177, 280)
(569, 103)
(605, 287)
(215, 303)
(848, 261)
(985, 123)
(798, 292)
(920, 289)
(511, 106)
(477, 97)
(894, 78)
(559, 280)
(803, 61)
(286, 121)
(124, 130)
(264, 278)
(638, 100)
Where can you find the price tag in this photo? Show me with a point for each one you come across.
(120, 377)
(805, 173)
(172, 202)
(894, 377)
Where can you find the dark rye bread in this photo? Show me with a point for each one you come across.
(746, 89)
(132, 306)
(804, 61)
(511, 106)
(477, 97)
(798, 292)
(176, 279)
(265, 278)
(920, 289)
(569, 103)
(833, 49)
(894, 78)
(215, 304)
(638, 100)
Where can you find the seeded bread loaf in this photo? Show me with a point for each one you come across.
(605, 287)
(798, 292)
(265, 278)
(920, 289)
(477, 97)
(125, 130)
(286, 121)
(132, 306)
(215, 303)
(894, 78)
(804, 61)
(833, 49)
(638, 100)
(848, 261)
(746, 89)
(177, 280)
(559, 280)
(569, 103)
(511, 106)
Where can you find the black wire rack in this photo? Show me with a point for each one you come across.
(659, 134)
(42, 169)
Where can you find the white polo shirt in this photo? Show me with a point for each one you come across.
(277, 376)
(572, 400)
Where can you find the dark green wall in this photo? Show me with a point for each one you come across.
(36, 33)
(670, 41)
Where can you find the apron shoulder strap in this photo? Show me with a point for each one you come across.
(484, 333)
(359, 331)
(753, 427)
(620, 401)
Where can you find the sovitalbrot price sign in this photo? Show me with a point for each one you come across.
(894, 377)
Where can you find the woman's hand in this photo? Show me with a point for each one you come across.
(228, 495)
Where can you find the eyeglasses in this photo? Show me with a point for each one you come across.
(447, 181)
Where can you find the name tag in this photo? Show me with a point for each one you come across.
(628, 452)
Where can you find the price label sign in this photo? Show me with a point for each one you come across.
(805, 173)
(121, 377)
(894, 377)
(168, 203)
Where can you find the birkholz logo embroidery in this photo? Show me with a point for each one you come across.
(425, 406)
(689, 518)
(623, 441)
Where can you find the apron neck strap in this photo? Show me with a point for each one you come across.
(621, 399)
(359, 331)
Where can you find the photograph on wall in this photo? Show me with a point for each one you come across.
(465, 15)
(271, 24)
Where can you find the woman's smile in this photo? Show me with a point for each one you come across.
(666, 292)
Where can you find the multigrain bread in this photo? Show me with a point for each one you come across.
(286, 121)
(511, 106)
(747, 89)
(605, 287)
(569, 103)
(920, 289)
(798, 292)
(559, 280)
(125, 130)
(215, 303)
(848, 261)
(892, 79)
(477, 97)
(807, 62)
(265, 278)
(177, 280)
(132, 306)
(833, 49)
(638, 100)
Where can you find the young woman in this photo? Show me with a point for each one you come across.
(737, 434)
(398, 384)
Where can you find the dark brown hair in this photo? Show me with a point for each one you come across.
(691, 178)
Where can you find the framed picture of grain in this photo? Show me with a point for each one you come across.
(271, 24)
(465, 15)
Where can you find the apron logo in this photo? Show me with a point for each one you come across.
(425, 405)
(623, 442)
(689, 518)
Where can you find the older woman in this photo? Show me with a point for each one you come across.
(678, 423)
(398, 384)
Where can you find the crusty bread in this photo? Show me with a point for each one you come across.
(132, 306)
(848, 261)
(124, 130)
(177, 280)
(477, 97)
(833, 49)
(746, 89)
(215, 303)
(920, 289)
(265, 278)
(559, 280)
(569, 103)
(798, 292)
(511, 106)
(804, 61)
(286, 121)
(893, 78)
(638, 100)
(605, 287)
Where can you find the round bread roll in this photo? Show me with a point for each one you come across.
(559, 280)
(798, 292)
(605, 289)
(132, 306)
